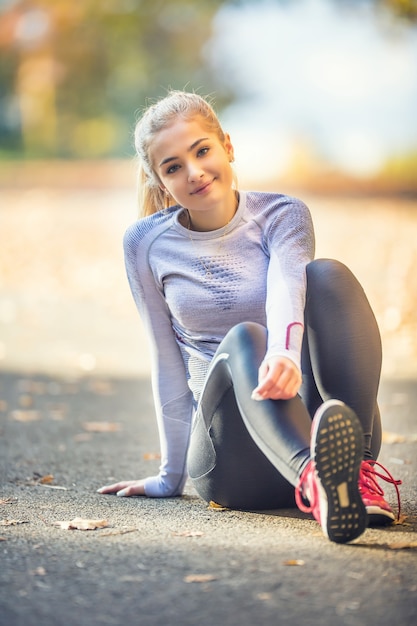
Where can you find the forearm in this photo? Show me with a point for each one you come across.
(174, 438)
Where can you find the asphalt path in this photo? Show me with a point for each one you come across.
(176, 561)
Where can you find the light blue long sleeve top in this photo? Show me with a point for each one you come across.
(191, 287)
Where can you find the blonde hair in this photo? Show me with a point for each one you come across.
(176, 104)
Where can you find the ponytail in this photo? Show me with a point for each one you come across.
(151, 198)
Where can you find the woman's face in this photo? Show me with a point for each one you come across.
(193, 165)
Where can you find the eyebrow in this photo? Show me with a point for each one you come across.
(173, 158)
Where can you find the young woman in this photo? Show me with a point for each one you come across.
(250, 337)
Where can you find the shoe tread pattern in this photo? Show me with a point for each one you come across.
(338, 456)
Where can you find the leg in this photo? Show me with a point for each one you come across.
(344, 346)
(242, 450)
(243, 453)
(342, 359)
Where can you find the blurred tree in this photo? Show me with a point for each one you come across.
(403, 8)
(73, 73)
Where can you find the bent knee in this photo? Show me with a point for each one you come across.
(328, 268)
(245, 331)
(329, 275)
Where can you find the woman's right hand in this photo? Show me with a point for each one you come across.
(279, 379)
(125, 488)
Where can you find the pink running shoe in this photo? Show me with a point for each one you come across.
(330, 480)
(378, 509)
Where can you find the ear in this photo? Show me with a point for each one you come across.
(228, 146)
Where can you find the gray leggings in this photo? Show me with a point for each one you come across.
(248, 455)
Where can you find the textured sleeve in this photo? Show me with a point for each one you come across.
(290, 242)
(172, 397)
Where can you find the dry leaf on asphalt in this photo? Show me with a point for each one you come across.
(216, 507)
(8, 501)
(388, 437)
(39, 571)
(46, 480)
(26, 416)
(102, 427)
(294, 562)
(151, 456)
(264, 596)
(402, 545)
(78, 523)
(12, 522)
(199, 578)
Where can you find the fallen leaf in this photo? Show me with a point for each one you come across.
(216, 507)
(402, 545)
(263, 596)
(102, 427)
(295, 562)
(199, 578)
(3, 539)
(151, 456)
(12, 522)
(388, 437)
(401, 521)
(8, 501)
(188, 533)
(39, 571)
(78, 523)
(26, 416)
(46, 480)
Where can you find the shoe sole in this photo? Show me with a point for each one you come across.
(337, 450)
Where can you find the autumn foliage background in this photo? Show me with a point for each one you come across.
(74, 77)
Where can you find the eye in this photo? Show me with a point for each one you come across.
(202, 152)
(172, 169)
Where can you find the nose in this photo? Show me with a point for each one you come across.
(195, 171)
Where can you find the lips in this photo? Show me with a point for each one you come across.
(201, 189)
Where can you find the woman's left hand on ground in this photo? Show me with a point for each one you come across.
(279, 379)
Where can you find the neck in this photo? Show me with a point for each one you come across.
(216, 218)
